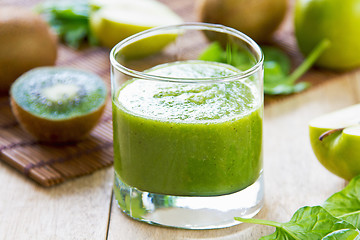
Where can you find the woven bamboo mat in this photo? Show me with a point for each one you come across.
(49, 165)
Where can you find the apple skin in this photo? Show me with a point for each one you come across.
(339, 152)
(114, 20)
(109, 32)
(335, 20)
(102, 26)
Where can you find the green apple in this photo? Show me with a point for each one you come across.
(113, 20)
(335, 20)
(335, 140)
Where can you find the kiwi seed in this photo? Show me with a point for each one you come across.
(58, 104)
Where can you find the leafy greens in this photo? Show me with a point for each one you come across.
(343, 234)
(69, 19)
(277, 77)
(337, 219)
(311, 223)
(346, 203)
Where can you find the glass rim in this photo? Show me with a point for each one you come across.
(186, 26)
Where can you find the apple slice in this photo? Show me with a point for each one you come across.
(335, 140)
(113, 20)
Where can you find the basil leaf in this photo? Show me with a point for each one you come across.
(344, 234)
(311, 223)
(346, 203)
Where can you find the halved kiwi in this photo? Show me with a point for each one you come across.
(57, 104)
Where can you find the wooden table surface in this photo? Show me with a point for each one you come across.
(85, 208)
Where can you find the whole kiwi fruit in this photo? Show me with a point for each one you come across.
(26, 42)
(256, 18)
(56, 104)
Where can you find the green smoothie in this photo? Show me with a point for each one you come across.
(188, 139)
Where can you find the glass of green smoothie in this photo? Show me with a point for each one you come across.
(187, 120)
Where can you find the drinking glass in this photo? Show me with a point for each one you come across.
(187, 120)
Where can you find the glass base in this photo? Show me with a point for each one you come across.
(190, 212)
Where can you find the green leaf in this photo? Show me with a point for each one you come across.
(65, 8)
(239, 58)
(214, 52)
(284, 88)
(69, 19)
(274, 78)
(309, 61)
(276, 65)
(276, 84)
(74, 35)
(232, 55)
(310, 223)
(346, 203)
(343, 234)
(273, 72)
(272, 54)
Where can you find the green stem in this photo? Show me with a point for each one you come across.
(309, 61)
(259, 221)
(327, 133)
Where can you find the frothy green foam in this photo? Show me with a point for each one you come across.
(190, 102)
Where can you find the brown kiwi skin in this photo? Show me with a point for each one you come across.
(256, 18)
(56, 131)
(26, 42)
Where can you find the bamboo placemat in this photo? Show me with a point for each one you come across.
(48, 164)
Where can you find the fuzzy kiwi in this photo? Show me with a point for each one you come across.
(58, 104)
(26, 42)
(258, 18)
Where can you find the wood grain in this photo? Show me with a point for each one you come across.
(74, 210)
(293, 176)
(84, 208)
(52, 165)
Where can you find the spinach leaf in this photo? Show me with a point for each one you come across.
(281, 83)
(239, 58)
(214, 53)
(346, 203)
(311, 223)
(272, 71)
(343, 234)
(276, 65)
(272, 54)
(285, 88)
(337, 219)
(69, 19)
(232, 55)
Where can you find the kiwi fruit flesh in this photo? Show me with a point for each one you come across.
(57, 104)
(26, 42)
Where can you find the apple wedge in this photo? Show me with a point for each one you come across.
(335, 140)
(111, 21)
